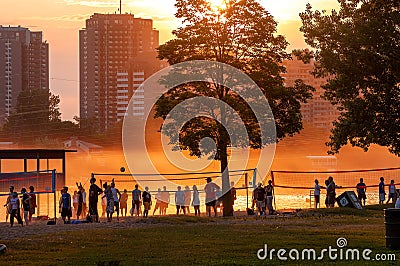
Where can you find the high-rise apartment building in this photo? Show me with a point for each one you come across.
(24, 65)
(317, 112)
(117, 52)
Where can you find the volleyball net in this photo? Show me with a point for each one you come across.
(295, 189)
(243, 181)
(45, 189)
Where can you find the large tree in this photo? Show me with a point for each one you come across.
(358, 49)
(241, 34)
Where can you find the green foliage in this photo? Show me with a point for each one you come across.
(358, 48)
(36, 120)
(242, 35)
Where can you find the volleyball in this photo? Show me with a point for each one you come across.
(3, 248)
(122, 169)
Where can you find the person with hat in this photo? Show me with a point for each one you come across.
(94, 192)
(8, 205)
(211, 190)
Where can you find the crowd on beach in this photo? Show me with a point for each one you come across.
(27, 204)
(113, 201)
(361, 188)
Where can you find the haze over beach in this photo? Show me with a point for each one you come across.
(199, 132)
(61, 20)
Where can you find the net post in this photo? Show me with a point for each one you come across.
(53, 188)
(255, 178)
(247, 189)
(273, 187)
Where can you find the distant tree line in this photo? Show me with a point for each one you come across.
(36, 122)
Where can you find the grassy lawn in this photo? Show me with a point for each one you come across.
(204, 241)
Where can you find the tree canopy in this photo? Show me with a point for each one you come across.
(242, 34)
(358, 49)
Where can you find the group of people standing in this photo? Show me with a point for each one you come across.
(115, 201)
(361, 189)
(14, 205)
(330, 187)
(263, 198)
(393, 192)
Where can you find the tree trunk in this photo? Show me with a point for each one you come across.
(226, 188)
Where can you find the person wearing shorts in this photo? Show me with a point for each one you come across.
(124, 202)
(136, 198)
(165, 200)
(15, 211)
(65, 205)
(317, 193)
(361, 191)
(158, 205)
(110, 201)
(260, 197)
(117, 197)
(180, 201)
(146, 201)
(392, 192)
(211, 190)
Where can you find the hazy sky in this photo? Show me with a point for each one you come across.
(60, 21)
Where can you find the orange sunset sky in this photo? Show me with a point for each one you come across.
(60, 21)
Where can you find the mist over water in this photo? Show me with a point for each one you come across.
(291, 154)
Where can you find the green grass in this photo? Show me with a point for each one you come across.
(204, 241)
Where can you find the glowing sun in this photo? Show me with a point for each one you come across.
(217, 4)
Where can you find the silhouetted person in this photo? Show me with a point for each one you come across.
(188, 198)
(136, 199)
(146, 201)
(269, 190)
(15, 212)
(65, 205)
(317, 194)
(8, 205)
(382, 192)
(124, 202)
(211, 190)
(196, 201)
(158, 205)
(392, 192)
(32, 202)
(261, 199)
(117, 197)
(94, 192)
(25, 204)
(180, 201)
(361, 191)
(165, 198)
